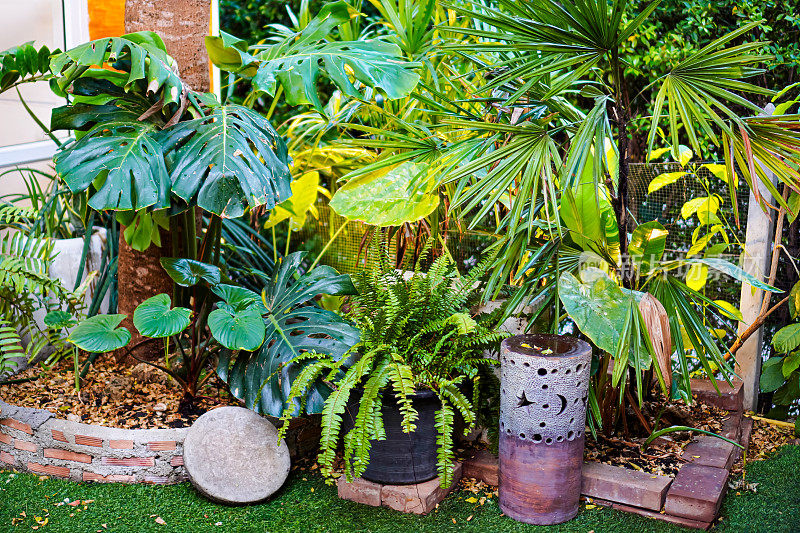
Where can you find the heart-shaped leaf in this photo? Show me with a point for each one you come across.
(59, 319)
(188, 272)
(239, 298)
(100, 334)
(237, 330)
(155, 318)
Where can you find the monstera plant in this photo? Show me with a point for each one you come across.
(255, 336)
(155, 152)
(296, 59)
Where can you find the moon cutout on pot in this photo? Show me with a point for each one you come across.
(563, 404)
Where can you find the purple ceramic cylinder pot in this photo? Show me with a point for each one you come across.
(544, 391)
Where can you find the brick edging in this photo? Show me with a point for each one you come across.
(33, 440)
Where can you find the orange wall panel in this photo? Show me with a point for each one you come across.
(106, 18)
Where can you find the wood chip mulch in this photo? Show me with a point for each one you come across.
(663, 456)
(112, 395)
(765, 440)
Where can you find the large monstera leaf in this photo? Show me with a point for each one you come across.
(227, 160)
(294, 325)
(141, 55)
(125, 161)
(296, 61)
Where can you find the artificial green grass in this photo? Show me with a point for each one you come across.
(306, 504)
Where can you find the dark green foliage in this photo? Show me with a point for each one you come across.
(295, 61)
(416, 333)
(295, 330)
(780, 375)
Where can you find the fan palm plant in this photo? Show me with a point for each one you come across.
(541, 141)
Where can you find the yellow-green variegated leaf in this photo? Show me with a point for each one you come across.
(655, 154)
(696, 276)
(709, 204)
(388, 197)
(730, 309)
(662, 180)
(685, 155)
(720, 171)
(304, 195)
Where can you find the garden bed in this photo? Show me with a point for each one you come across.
(113, 395)
(663, 456)
(123, 426)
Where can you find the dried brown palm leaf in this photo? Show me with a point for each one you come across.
(657, 323)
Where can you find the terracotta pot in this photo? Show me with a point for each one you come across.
(544, 390)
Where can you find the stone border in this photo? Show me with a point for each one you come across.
(691, 499)
(33, 440)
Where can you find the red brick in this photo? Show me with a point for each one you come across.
(732, 426)
(10, 422)
(746, 431)
(121, 444)
(677, 520)
(58, 435)
(161, 446)
(359, 491)
(85, 440)
(65, 455)
(129, 461)
(710, 451)
(6, 457)
(483, 467)
(621, 485)
(156, 480)
(176, 460)
(730, 398)
(25, 446)
(697, 492)
(113, 478)
(5, 439)
(420, 498)
(49, 470)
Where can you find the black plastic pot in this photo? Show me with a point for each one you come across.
(403, 458)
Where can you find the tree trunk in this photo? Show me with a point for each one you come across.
(182, 24)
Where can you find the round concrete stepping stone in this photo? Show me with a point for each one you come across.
(232, 455)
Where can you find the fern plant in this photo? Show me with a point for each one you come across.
(25, 287)
(416, 333)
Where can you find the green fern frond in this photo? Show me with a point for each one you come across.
(444, 444)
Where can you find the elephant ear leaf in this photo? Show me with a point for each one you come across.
(125, 162)
(294, 325)
(156, 318)
(237, 328)
(227, 160)
(296, 61)
(100, 334)
(188, 272)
